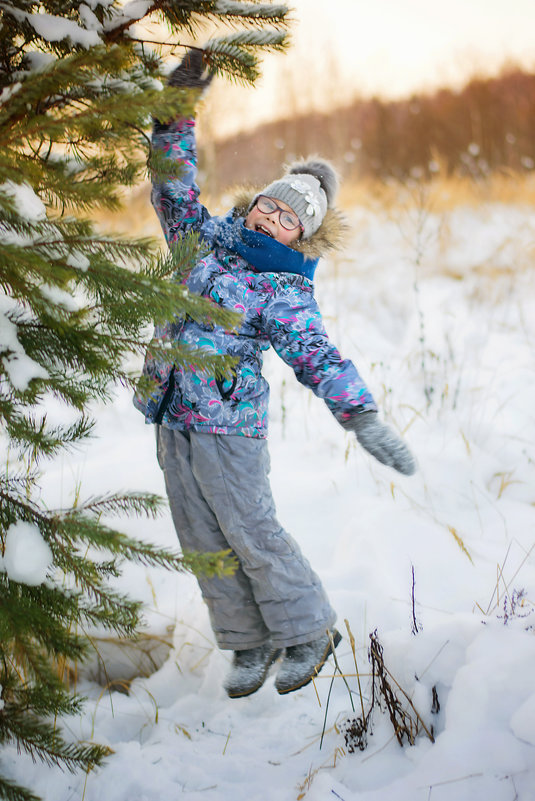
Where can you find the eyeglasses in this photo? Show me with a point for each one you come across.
(288, 219)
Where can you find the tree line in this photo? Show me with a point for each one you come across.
(488, 125)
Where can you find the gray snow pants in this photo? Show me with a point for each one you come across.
(220, 498)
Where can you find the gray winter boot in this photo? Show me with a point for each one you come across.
(249, 670)
(303, 662)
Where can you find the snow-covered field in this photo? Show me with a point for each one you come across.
(438, 312)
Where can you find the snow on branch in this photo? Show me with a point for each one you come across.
(17, 365)
(261, 11)
(55, 29)
(52, 28)
(130, 13)
(27, 556)
(28, 204)
(272, 38)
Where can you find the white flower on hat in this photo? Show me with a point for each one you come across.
(313, 204)
(300, 186)
(304, 189)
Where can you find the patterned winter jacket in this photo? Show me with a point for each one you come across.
(271, 285)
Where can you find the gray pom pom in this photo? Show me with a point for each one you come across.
(323, 171)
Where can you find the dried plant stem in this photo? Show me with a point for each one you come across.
(500, 574)
(326, 711)
(354, 652)
(377, 656)
(339, 669)
(415, 628)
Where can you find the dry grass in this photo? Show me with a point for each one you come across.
(135, 218)
(443, 193)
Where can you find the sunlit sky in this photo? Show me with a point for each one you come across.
(395, 45)
(344, 48)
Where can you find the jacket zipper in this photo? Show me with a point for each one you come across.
(166, 398)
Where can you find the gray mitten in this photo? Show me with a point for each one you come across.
(191, 73)
(382, 442)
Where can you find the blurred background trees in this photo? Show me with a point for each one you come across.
(487, 126)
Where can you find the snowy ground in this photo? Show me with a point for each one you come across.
(439, 314)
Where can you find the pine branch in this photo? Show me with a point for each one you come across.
(42, 741)
(253, 13)
(92, 602)
(120, 23)
(269, 40)
(18, 484)
(34, 438)
(36, 629)
(50, 700)
(77, 527)
(235, 55)
(189, 15)
(73, 134)
(9, 791)
(238, 62)
(128, 503)
(16, 506)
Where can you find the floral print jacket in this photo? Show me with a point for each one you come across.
(270, 284)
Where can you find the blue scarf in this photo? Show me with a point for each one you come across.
(265, 255)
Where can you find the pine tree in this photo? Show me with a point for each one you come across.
(78, 85)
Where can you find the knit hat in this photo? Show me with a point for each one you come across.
(309, 188)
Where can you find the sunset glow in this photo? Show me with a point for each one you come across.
(388, 47)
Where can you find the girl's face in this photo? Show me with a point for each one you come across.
(269, 224)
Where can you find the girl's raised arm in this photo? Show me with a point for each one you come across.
(174, 159)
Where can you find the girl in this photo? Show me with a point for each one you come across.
(211, 433)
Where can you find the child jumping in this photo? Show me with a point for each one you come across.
(211, 433)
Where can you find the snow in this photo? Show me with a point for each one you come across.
(130, 11)
(20, 367)
(78, 260)
(72, 165)
(59, 297)
(37, 60)
(89, 18)
(27, 557)
(55, 29)
(441, 564)
(28, 203)
(523, 721)
(9, 91)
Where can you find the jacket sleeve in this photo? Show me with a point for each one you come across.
(175, 193)
(295, 329)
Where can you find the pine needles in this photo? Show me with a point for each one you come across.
(77, 92)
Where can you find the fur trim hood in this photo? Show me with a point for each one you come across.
(331, 234)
